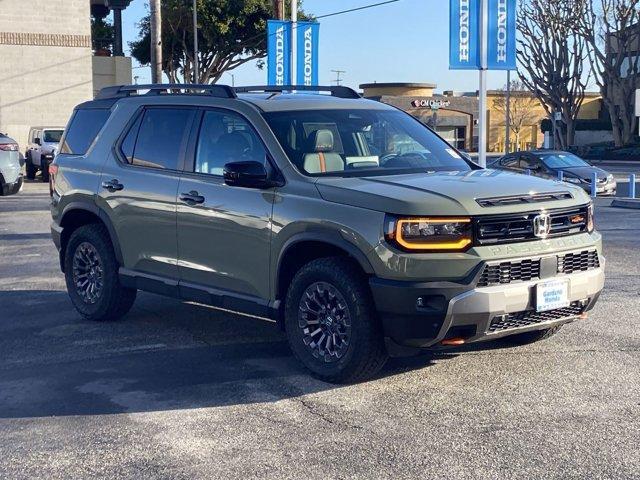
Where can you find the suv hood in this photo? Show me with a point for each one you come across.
(585, 172)
(444, 193)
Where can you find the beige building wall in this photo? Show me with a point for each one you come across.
(45, 48)
(108, 71)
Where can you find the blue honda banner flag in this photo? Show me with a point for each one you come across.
(464, 40)
(278, 52)
(307, 53)
(501, 35)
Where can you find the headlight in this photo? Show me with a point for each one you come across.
(573, 179)
(609, 178)
(430, 234)
(591, 224)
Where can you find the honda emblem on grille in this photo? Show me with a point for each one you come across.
(541, 225)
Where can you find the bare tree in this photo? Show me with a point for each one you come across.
(611, 29)
(553, 55)
(522, 106)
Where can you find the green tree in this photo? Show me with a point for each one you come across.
(230, 33)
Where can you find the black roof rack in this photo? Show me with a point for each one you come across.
(336, 90)
(121, 91)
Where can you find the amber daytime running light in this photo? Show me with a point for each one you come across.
(431, 234)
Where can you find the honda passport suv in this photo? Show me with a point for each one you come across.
(349, 223)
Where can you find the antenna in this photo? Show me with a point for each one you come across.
(338, 80)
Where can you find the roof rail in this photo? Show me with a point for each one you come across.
(336, 90)
(121, 91)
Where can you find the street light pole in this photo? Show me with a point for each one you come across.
(196, 66)
(294, 31)
(156, 41)
(482, 116)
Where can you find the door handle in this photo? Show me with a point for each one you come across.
(191, 198)
(113, 186)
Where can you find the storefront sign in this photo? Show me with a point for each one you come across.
(464, 39)
(431, 103)
(307, 52)
(278, 52)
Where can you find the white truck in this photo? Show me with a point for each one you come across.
(43, 142)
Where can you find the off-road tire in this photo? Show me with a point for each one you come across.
(365, 354)
(45, 172)
(30, 168)
(114, 300)
(531, 337)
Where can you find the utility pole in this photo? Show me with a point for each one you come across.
(507, 121)
(338, 80)
(196, 66)
(278, 9)
(294, 42)
(156, 41)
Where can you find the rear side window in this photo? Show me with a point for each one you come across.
(83, 129)
(161, 136)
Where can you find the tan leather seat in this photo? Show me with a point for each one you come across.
(323, 159)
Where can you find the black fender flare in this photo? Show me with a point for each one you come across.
(330, 237)
(104, 218)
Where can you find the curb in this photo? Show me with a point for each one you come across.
(626, 203)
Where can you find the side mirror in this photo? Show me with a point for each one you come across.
(248, 174)
(37, 141)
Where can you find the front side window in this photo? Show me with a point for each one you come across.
(226, 137)
(361, 142)
(83, 129)
(52, 136)
(161, 137)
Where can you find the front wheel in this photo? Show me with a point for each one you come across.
(91, 274)
(331, 322)
(30, 168)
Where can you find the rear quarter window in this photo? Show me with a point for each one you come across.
(83, 129)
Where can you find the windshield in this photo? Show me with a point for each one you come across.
(52, 136)
(563, 160)
(361, 142)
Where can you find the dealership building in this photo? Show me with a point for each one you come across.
(454, 115)
(50, 62)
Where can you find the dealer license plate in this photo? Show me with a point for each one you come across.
(552, 295)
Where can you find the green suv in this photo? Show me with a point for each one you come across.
(347, 222)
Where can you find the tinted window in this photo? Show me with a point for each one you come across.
(129, 142)
(161, 137)
(509, 162)
(530, 163)
(226, 137)
(53, 136)
(563, 160)
(83, 130)
(361, 142)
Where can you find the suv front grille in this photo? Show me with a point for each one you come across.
(529, 268)
(523, 199)
(497, 229)
(531, 317)
(578, 261)
(508, 272)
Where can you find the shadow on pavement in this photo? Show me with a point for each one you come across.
(164, 355)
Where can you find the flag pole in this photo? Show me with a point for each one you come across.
(482, 110)
(294, 36)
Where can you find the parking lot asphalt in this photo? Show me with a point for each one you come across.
(182, 391)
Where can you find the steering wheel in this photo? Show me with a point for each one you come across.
(385, 158)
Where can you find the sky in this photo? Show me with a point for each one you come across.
(406, 41)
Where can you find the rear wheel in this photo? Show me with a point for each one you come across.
(331, 323)
(45, 171)
(531, 337)
(30, 168)
(91, 274)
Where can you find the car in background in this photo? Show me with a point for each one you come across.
(10, 166)
(547, 164)
(43, 142)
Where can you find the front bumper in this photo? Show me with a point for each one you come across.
(424, 314)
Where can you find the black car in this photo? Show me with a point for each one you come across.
(547, 164)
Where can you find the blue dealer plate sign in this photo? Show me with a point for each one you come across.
(552, 295)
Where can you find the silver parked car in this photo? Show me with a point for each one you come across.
(10, 166)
